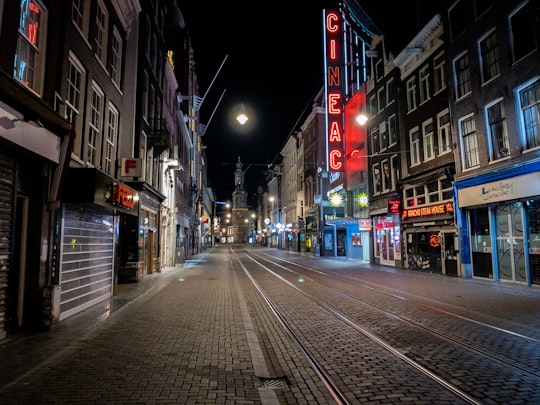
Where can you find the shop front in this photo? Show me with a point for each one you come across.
(430, 239)
(88, 238)
(501, 223)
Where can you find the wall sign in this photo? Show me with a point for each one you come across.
(333, 90)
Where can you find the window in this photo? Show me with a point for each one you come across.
(394, 163)
(443, 131)
(411, 94)
(489, 57)
(94, 125)
(116, 57)
(529, 100)
(467, 132)
(414, 136)
(73, 99)
(386, 175)
(415, 196)
(381, 97)
(376, 178)
(375, 143)
(462, 76)
(383, 135)
(457, 16)
(80, 15)
(111, 138)
(433, 192)
(496, 129)
(379, 70)
(100, 40)
(144, 153)
(29, 57)
(145, 97)
(522, 35)
(390, 91)
(439, 73)
(424, 84)
(392, 130)
(372, 106)
(427, 132)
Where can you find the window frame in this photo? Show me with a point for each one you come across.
(470, 157)
(492, 137)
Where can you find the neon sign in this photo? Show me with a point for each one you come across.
(334, 93)
(123, 196)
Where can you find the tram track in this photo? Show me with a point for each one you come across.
(512, 362)
(379, 326)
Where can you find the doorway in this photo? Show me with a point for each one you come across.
(510, 244)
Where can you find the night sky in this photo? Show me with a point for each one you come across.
(273, 68)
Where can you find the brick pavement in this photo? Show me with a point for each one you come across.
(201, 329)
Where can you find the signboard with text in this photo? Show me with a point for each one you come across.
(333, 90)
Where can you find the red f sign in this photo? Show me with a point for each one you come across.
(131, 167)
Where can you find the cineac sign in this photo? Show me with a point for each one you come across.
(335, 147)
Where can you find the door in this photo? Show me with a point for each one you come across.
(450, 254)
(510, 248)
(386, 246)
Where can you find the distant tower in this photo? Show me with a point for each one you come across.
(239, 194)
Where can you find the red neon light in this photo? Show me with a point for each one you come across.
(335, 160)
(334, 91)
(334, 134)
(332, 22)
(334, 103)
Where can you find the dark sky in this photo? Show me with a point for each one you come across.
(273, 67)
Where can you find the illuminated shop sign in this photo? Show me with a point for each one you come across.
(334, 93)
(438, 209)
(394, 206)
(121, 196)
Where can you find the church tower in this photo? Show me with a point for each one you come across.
(243, 220)
(239, 194)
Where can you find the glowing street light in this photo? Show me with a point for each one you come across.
(242, 118)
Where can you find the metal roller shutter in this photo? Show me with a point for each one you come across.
(87, 256)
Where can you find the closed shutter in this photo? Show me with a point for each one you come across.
(7, 184)
(87, 258)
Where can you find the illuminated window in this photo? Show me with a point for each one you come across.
(29, 57)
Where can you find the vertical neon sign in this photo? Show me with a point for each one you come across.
(334, 93)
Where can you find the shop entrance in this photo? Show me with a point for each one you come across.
(450, 254)
(510, 248)
(386, 246)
